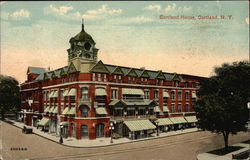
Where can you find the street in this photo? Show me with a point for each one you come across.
(17, 146)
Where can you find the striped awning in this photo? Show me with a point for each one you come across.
(72, 111)
(101, 110)
(47, 109)
(72, 92)
(139, 125)
(194, 95)
(55, 95)
(100, 92)
(163, 121)
(191, 119)
(132, 91)
(51, 94)
(165, 95)
(55, 111)
(157, 109)
(65, 93)
(65, 110)
(165, 109)
(51, 109)
(44, 122)
(178, 120)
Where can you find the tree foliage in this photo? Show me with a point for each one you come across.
(9, 95)
(224, 96)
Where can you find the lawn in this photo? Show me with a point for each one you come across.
(223, 151)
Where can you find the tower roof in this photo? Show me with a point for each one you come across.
(83, 36)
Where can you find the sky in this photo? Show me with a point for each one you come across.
(134, 34)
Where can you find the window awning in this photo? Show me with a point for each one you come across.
(116, 102)
(51, 94)
(55, 111)
(65, 93)
(72, 111)
(194, 95)
(157, 109)
(139, 103)
(163, 121)
(63, 123)
(191, 119)
(55, 95)
(178, 120)
(132, 91)
(72, 92)
(47, 109)
(51, 109)
(100, 110)
(65, 110)
(100, 92)
(139, 125)
(165, 95)
(165, 109)
(44, 122)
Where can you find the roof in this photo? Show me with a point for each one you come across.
(83, 36)
(35, 70)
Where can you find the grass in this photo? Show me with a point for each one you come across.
(223, 151)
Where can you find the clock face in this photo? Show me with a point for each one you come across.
(87, 46)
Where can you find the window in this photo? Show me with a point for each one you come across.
(141, 111)
(187, 96)
(100, 132)
(129, 78)
(47, 95)
(99, 77)
(173, 107)
(187, 108)
(176, 83)
(193, 84)
(179, 108)
(186, 84)
(84, 93)
(119, 77)
(114, 93)
(44, 96)
(142, 79)
(173, 95)
(179, 95)
(84, 131)
(61, 95)
(84, 110)
(114, 76)
(156, 93)
(146, 94)
(93, 77)
(105, 77)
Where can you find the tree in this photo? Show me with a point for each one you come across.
(9, 95)
(222, 107)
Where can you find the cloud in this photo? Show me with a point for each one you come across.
(247, 20)
(175, 8)
(68, 12)
(2, 2)
(21, 14)
(153, 7)
(61, 10)
(17, 15)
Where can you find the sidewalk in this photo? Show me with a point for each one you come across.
(99, 142)
(209, 156)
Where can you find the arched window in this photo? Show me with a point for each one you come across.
(173, 95)
(84, 131)
(84, 110)
(100, 130)
(84, 93)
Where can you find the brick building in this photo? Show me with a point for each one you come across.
(88, 98)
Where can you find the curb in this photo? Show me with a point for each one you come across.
(101, 146)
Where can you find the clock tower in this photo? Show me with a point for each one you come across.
(82, 52)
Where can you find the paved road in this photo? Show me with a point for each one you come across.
(181, 147)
